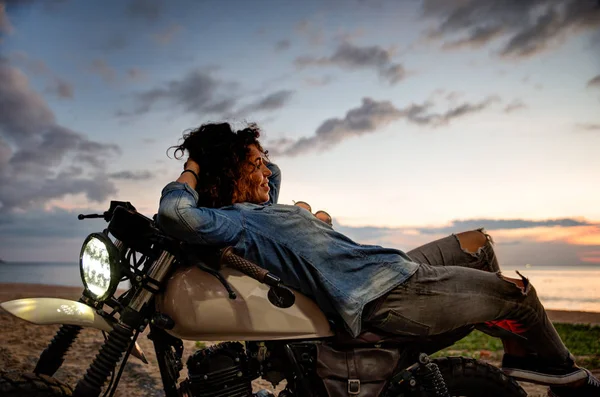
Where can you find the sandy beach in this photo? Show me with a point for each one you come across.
(22, 342)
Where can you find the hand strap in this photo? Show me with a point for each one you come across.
(193, 173)
(353, 380)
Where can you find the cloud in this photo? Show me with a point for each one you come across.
(104, 70)
(541, 253)
(477, 37)
(502, 224)
(132, 175)
(267, 103)
(61, 89)
(349, 35)
(372, 115)
(534, 38)
(314, 34)
(517, 242)
(591, 127)
(148, 10)
(453, 113)
(198, 92)
(318, 82)
(36, 152)
(365, 119)
(514, 106)
(30, 65)
(594, 82)
(369, 233)
(282, 45)
(270, 102)
(524, 28)
(449, 96)
(352, 57)
(453, 96)
(55, 85)
(115, 42)
(167, 35)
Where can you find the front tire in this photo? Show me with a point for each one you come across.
(16, 384)
(471, 378)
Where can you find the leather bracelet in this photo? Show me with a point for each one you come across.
(193, 173)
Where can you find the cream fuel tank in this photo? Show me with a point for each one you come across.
(202, 310)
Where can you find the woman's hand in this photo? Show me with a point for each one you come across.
(303, 204)
(325, 217)
(320, 215)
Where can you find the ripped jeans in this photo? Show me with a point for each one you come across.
(454, 289)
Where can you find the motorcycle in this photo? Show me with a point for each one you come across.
(184, 292)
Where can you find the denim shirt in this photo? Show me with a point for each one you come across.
(341, 275)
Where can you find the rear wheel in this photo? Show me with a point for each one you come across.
(16, 384)
(471, 378)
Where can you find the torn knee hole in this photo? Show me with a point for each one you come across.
(473, 241)
(487, 236)
(523, 283)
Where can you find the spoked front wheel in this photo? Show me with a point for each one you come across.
(16, 384)
(467, 377)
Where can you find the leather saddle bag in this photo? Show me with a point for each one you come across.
(355, 372)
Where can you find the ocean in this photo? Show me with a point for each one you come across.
(51, 273)
(575, 288)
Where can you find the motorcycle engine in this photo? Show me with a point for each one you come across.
(219, 371)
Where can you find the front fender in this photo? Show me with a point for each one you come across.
(45, 311)
(48, 311)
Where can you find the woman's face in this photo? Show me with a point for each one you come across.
(253, 186)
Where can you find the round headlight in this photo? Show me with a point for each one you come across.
(99, 266)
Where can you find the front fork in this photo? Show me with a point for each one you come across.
(120, 338)
(53, 356)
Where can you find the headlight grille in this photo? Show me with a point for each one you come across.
(99, 266)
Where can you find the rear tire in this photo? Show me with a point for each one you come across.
(16, 384)
(471, 378)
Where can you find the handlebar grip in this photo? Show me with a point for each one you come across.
(229, 258)
(82, 216)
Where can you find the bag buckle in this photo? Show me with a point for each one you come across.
(353, 386)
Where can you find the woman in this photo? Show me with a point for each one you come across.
(227, 195)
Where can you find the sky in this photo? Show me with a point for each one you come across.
(405, 120)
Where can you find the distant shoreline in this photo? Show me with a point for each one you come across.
(9, 291)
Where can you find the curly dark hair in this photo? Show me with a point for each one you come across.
(220, 152)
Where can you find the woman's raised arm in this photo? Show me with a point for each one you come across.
(180, 216)
(274, 183)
